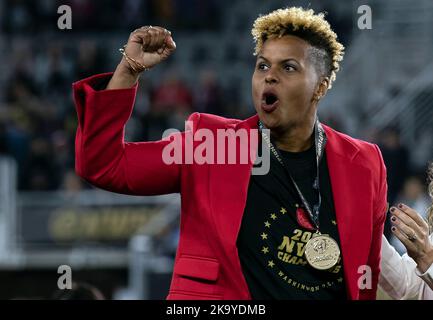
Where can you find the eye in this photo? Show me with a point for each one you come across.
(289, 67)
(262, 66)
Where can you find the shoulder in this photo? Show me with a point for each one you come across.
(345, 139)
(363, 151)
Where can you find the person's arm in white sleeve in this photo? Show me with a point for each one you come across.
(397, 277)
(427, 276)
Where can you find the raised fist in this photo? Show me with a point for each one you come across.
(146, 47)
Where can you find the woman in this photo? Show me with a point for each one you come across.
(284, 234)
(409, 276)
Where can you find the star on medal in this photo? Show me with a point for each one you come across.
(283, 210)
(271, 263)
(267, 224)
(273, 216)
(264, 236)
(265, 250)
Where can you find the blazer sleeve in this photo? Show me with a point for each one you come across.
(379, 214)
(103, 158)
(397, 277)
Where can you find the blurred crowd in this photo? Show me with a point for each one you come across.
(37, 117)
(23, 16)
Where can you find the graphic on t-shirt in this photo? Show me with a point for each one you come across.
(290, 251)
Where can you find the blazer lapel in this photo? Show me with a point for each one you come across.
(352, 199)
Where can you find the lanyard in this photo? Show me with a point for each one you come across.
(319, 142)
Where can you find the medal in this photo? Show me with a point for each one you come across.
(322, 252)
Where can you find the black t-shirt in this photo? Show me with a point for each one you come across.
(271, 243)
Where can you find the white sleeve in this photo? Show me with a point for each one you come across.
(428, 275)
(397, 277)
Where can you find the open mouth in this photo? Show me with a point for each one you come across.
(269, 101)
(270, 98)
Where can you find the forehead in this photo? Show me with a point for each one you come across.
(284, 48)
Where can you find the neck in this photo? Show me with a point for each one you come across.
(295, 139)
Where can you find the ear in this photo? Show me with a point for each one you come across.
(322, 88)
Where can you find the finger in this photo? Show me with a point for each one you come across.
(140, 36)
(153, 28)
(410, 246)
(147, 37)
(414, 215)
(408, 231)
(153, 39)
(161, 40)
(164, 41)
(158, 35)
(170, 44)
(405, 219)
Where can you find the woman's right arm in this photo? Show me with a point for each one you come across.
(427, 275)
(102, 156)
(413, 231)
(397, 276)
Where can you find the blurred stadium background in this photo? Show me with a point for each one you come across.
(125, 245)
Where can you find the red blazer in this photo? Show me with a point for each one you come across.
(213, 196)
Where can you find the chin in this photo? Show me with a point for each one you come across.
(270, 121)
(275, 124)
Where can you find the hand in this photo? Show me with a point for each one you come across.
(148, 46)
(411, 229)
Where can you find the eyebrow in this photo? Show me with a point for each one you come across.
(282, 61)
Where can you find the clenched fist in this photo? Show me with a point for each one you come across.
(146, 47)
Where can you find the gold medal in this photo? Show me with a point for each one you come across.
(322, 252)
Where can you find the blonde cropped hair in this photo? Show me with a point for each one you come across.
(305, 24)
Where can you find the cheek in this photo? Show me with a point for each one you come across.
(295, 93)
(310, 83)
(255, 88)
(310, 79)
(301, 91)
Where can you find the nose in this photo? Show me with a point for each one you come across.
(271, 78)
